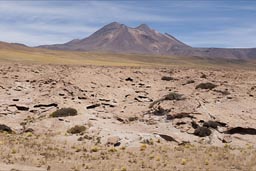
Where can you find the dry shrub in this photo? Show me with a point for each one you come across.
(64, 112)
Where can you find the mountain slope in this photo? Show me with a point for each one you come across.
(119, 38)
(116, 37)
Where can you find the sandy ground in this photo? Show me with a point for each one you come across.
(130, 122)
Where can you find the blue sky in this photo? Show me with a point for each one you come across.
(199, 23)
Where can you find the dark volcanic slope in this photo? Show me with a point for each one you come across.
(119, 38)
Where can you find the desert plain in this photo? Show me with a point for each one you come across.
(126, 116)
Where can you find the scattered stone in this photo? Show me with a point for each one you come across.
(4, 128)
(151, 121)
(167, 78)
(179, 116)
(229, 97)
(168, 138)
(108, 104)
(120, 119)
(46, 105)
(174, 96)
(132, 118)
(147, 140)
(129, 79)
(194, 124)
(214, 124)
(203, 76)
(22, 108)
(159, 111)
(189, 82)
(143, 99)
(93, 106)
(170, 96)
(82, 97)
(225, 138)
(115, 141)
(225, 92)
(76, 129)
(241, 130)
(209, 86)
(105, 100)
(29, 130)
(64, 112)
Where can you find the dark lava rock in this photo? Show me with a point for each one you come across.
(241, 130)
(4, 128)
(129, 79)
(214, 124)
(23, 108)
(167, 78)
(208, 86)
(202, 131)
(190, 82)
(203, 76)
(174, 96)
(93, 106)
(46, 105)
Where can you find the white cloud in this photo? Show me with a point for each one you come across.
(36, 22)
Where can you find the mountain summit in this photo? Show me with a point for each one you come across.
(116, 37)
(119, 38)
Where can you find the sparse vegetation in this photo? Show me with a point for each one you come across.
(77, 129)
(95, 149)
(143, 147)
(64, 112)
(183, 161)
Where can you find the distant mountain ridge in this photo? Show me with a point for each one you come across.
(116, 37)
(119, 38)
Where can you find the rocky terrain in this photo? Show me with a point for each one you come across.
(126, 118)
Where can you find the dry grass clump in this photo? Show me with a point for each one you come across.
(63, 112)
(77, 129)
